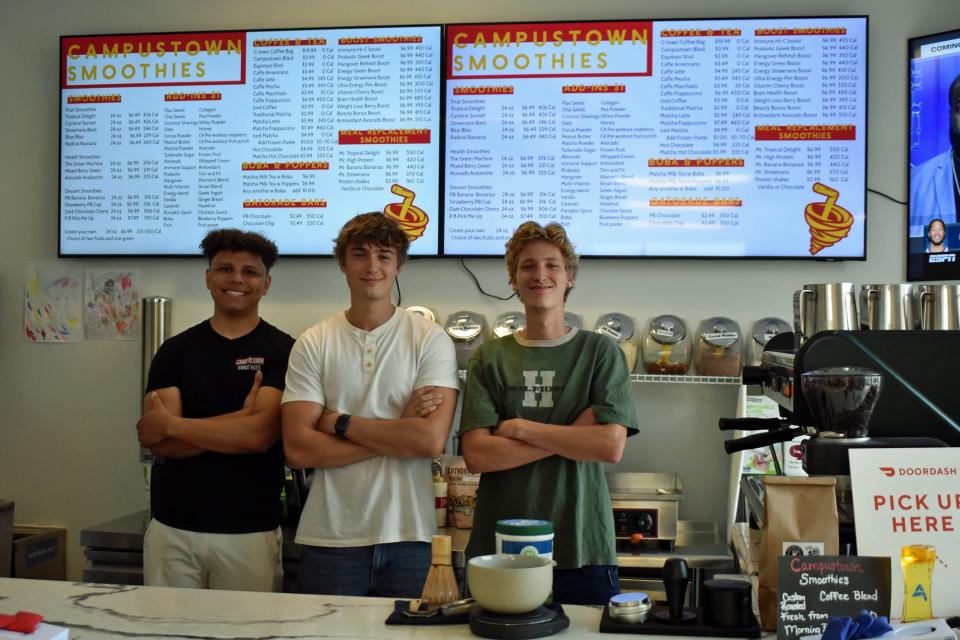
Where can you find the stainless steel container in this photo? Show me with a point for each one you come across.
(824, 307)
(633, 607)
(156, 329)
(888, 307)
(939, 306)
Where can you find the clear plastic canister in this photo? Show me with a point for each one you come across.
(666, 346)
(719, 350)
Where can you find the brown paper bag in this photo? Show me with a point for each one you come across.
(799, 517)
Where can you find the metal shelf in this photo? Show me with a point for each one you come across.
(675, 379)
(663, 378)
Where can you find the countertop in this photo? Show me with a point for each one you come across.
(697, 542)
(102, 612)
(126, 533)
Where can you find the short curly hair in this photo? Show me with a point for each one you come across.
(236, 240)
(371, 228)
(554, 234)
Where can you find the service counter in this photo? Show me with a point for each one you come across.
(114, 554)
(114, 612)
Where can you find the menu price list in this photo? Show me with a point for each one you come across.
(313, 127)
(723, 139)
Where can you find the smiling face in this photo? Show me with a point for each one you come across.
(236, 281)
(936, 233)
(541, 279)
(371, 271)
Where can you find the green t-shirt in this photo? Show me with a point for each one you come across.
(551, 381)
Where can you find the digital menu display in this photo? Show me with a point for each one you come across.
(289, 133)
(934, 141)
(694, 138)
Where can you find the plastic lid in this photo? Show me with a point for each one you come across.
(841, 372)
(766, 328)
(667, 329)
(616, 325)
(572, 320)
(424, 312)
(524, 527)
(464, 325)
(509, 323)
(631, 599)
(719, 331)
(918, 553)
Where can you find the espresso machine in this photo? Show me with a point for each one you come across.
(853, 389)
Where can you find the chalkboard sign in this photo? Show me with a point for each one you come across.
(812, 589)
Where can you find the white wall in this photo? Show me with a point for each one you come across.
(68, 453)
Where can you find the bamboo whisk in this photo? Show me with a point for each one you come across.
(441, 585)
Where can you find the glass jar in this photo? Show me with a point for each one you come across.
(620, 327)
(719, 349)
(509, 323)
(763, 330)
(666, 346)
(466, 328)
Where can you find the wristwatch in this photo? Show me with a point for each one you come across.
(342, 424)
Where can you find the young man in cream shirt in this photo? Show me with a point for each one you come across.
(369, 400)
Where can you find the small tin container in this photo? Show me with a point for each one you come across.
(523, 537)
(633, 607)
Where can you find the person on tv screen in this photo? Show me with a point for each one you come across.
(934, 186)
(937, 236)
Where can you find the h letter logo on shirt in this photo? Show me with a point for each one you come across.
(538, 388)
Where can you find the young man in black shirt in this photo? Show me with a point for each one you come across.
(212, 419)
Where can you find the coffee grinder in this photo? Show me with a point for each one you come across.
(833, 404)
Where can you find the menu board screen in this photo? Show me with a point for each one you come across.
(934, 209)
(289, 133)
(694, 138)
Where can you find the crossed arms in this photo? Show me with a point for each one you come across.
(517, 441)
(252, 429)
(420, 431)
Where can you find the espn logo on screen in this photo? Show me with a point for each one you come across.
(943, 257)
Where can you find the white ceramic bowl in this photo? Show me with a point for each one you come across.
(508, 583)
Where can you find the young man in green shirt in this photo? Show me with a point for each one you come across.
(542, 409)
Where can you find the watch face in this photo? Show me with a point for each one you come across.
(341, 425)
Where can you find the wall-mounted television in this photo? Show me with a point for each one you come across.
(164, 136)
(933, 241)
(714, 138)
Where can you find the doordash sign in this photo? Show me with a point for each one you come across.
(910, 497)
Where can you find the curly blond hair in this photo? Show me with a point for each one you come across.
(553, 234)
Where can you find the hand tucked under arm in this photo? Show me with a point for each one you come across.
(151, 430)
(420, 432)
(484, 452)
(171, 448)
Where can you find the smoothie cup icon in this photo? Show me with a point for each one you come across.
(828, 222)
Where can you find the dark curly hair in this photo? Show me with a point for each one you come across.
(236, 240)
(372, 228)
